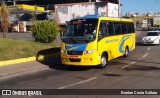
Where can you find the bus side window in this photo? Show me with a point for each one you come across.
(110, 27)
(129, 27)
(132, 26)
(117, 28)
(124, 28)
(103, 28)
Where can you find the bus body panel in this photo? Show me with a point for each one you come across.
(109, 45)
(130, 41)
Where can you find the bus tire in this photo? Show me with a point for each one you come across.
(104, 61)
(126, 52)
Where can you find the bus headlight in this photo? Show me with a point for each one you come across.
(89, 51)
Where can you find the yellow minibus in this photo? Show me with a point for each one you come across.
(94, 40)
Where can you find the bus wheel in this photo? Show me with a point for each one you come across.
(126, 52)
(104, 61)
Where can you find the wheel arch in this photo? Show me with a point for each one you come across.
(105, 53)
(127, 46)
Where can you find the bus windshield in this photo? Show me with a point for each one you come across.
(80, 31)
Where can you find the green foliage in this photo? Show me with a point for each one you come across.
(14, 49)
(45, 31)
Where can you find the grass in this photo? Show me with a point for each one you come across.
(14, 49)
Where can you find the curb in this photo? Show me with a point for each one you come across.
(24, 60)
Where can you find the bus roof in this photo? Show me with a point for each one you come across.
(115, 19)
(103, 18)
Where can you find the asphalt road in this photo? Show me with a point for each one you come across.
(141, 70)
(19, 36)
(25, 36)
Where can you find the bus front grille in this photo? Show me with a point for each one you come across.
(74, 52)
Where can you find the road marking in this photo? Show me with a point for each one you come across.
(78, 83)
(133, 63)
(149, 48)
(128, 65)
(145, 55)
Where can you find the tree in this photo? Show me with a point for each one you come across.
(45, 31)
(33, 19)
(4, 19)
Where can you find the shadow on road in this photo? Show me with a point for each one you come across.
(53, 60)
(112, 75)
(55, 63)
(143, 68)
(49, 52)
(158, 63)
(116, 75)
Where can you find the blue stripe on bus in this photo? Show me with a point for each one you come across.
(122, 43)
(76, 47)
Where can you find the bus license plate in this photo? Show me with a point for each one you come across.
(73, 57)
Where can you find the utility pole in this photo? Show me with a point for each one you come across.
(14, 2)
(119, 8)
(107, 8)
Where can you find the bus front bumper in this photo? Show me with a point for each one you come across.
(81, 61)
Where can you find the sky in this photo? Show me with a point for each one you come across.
(141, 6)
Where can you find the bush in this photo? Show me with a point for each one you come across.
(45, 31)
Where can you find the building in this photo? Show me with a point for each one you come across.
(147, 20)
(156, 20)
(49, 4)
(25, 16)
